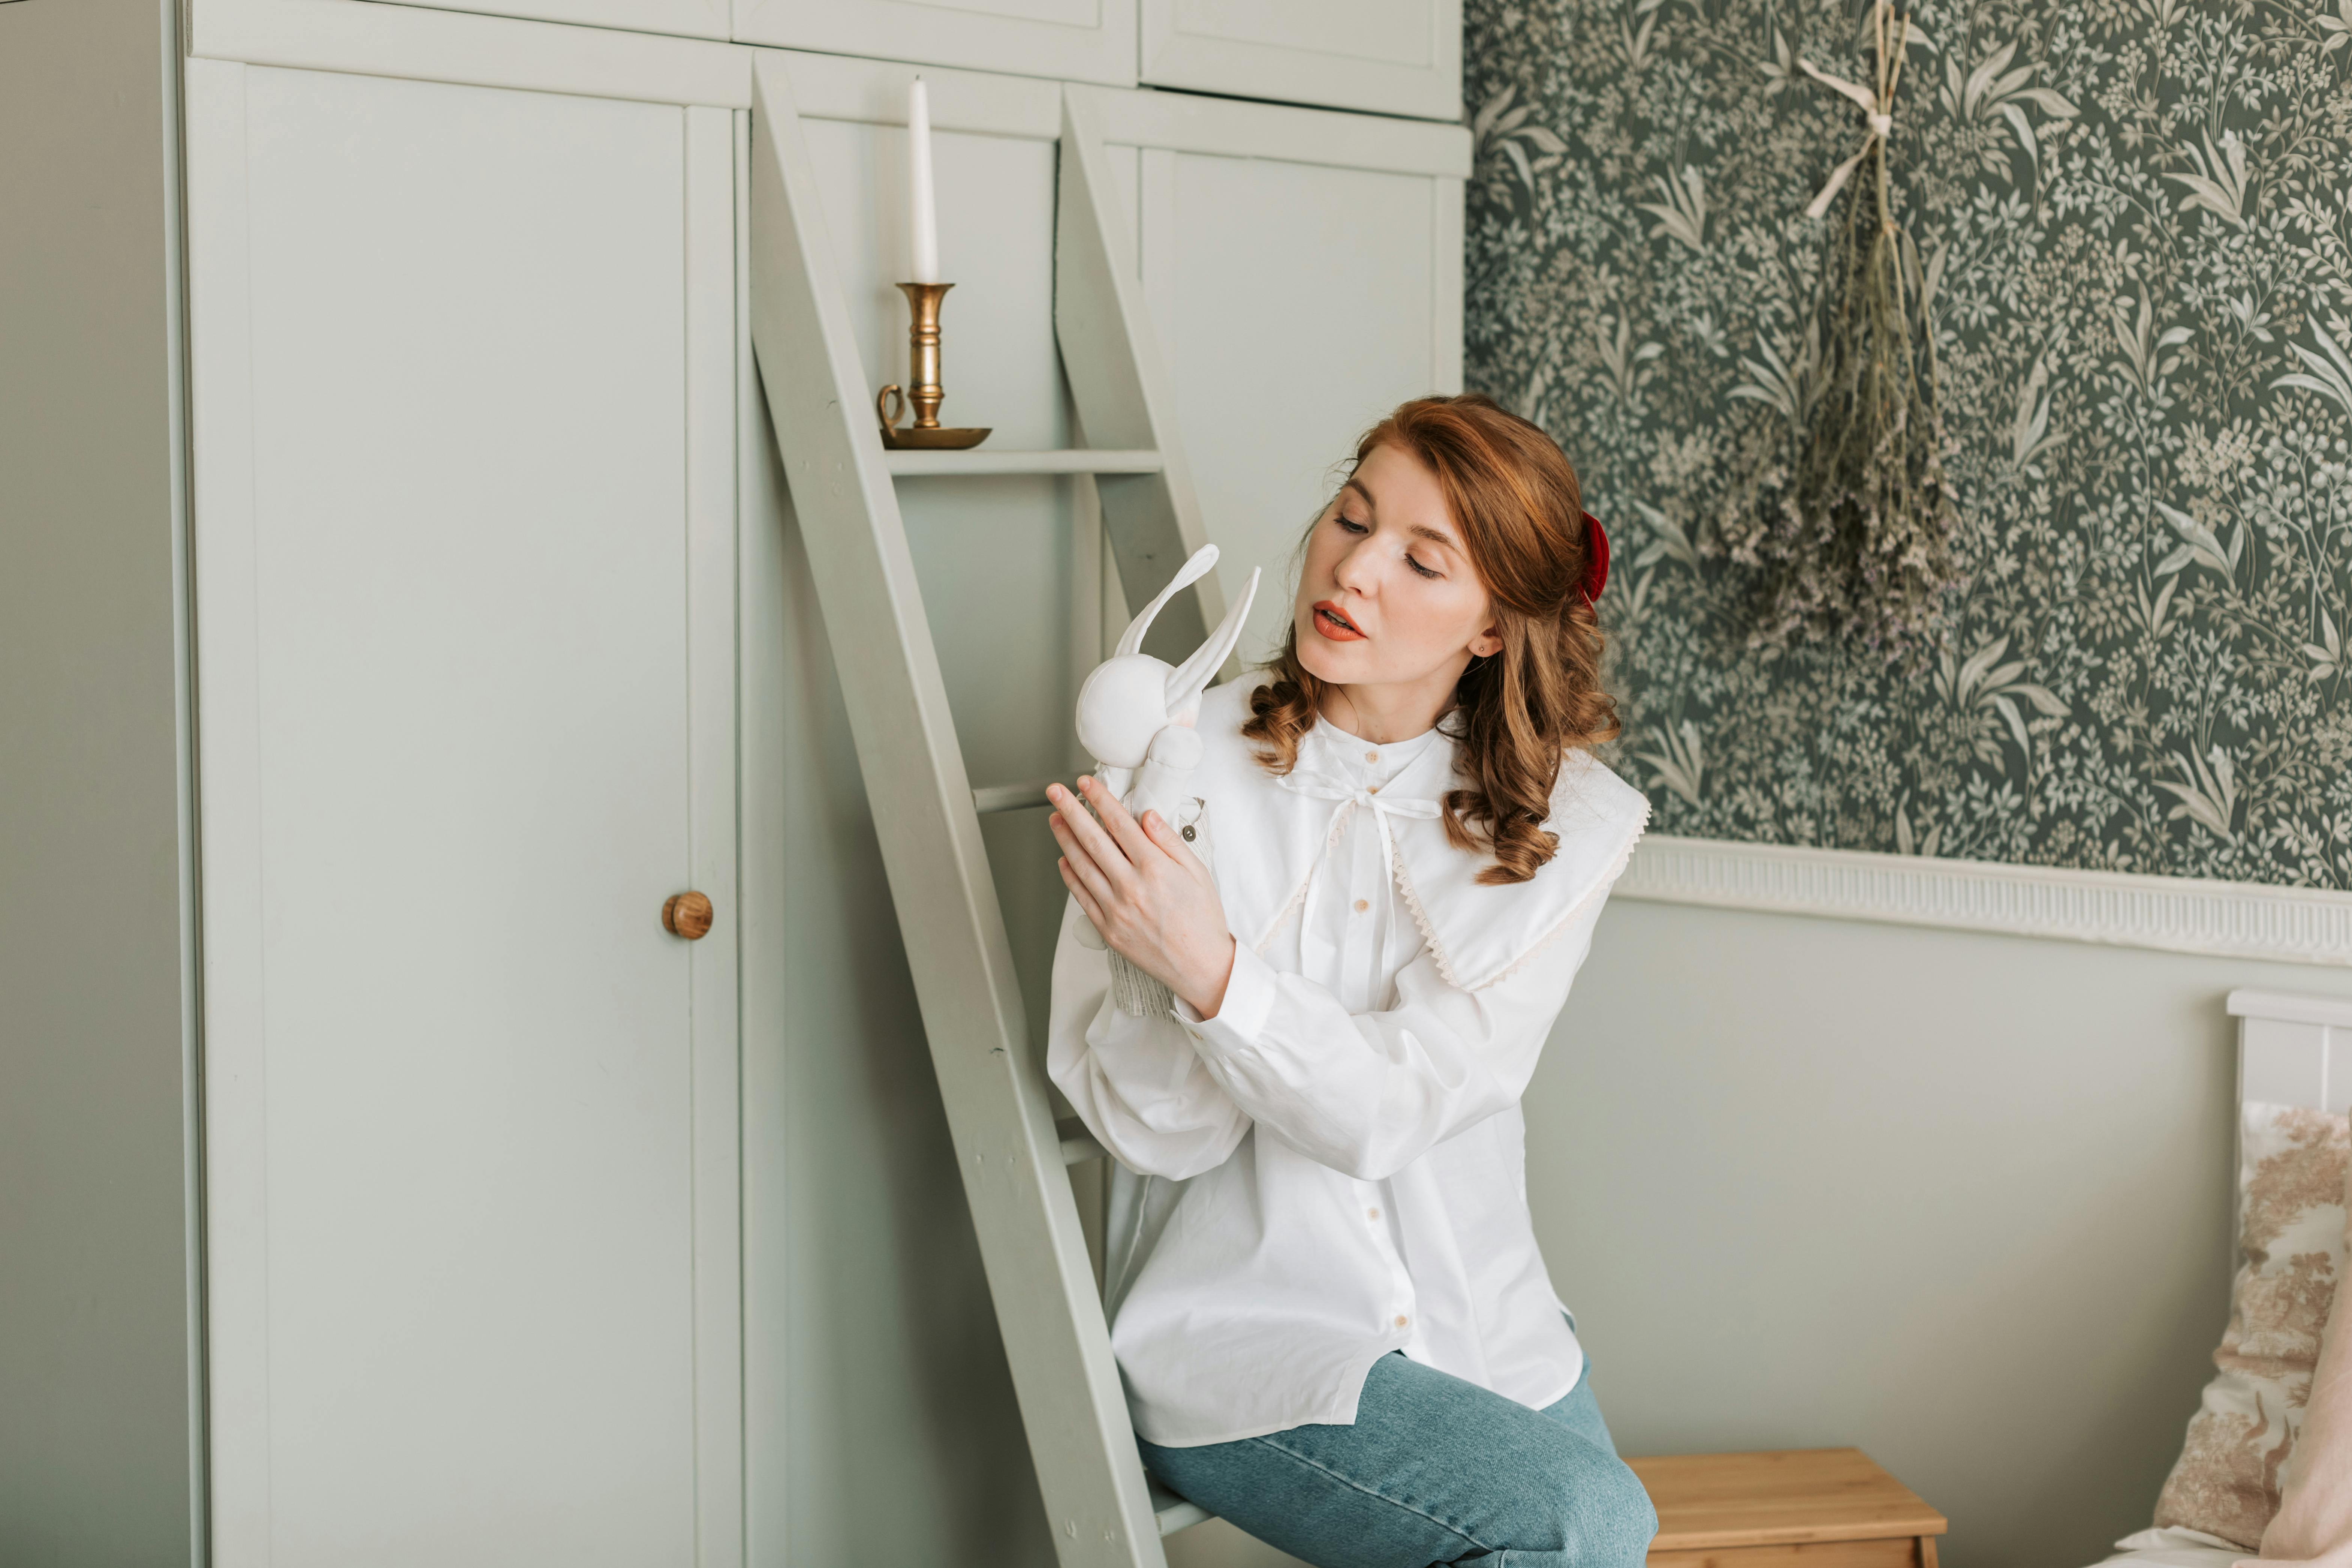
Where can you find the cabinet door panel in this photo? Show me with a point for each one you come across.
(1082, 41)
(1297, 304)
(457, 508)
(686, 18)
(1393, 56)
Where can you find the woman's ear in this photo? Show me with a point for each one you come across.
(1487, 643)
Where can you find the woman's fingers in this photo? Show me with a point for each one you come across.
(1131, 840)
(1163, 833)
(1087, 904)
(1071, 813)
(1084, 866)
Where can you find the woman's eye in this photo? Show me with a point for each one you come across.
(1420, 568)
(1351, 525)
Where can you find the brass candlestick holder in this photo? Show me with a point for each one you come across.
(893, 401)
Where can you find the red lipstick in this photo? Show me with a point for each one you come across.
(1332, 624)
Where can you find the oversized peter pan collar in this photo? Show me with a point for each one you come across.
(1272, 836)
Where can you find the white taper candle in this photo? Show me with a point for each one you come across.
(923, 221)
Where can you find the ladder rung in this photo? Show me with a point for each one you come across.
(918, 464)
(1009, 797)
(1078, 1145)
(1172, 1512)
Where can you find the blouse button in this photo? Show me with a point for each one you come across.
(1403, 1319)
(1371, 757)
(1362, 904)
(1372, 1213)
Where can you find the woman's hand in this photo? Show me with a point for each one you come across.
(1147, 893)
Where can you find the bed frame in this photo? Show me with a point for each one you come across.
(2294, 1049)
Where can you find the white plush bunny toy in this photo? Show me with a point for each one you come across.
(1136, 715)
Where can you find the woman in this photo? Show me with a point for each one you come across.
(1327, 1300)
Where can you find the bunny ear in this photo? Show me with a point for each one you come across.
(1192, 678)
(1192, 571)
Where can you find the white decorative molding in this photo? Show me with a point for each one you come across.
(2174, 914)
(1236, 127)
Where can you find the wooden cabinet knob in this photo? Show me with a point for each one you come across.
(688, 915)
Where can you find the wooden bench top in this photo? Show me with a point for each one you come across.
(1778, 1498)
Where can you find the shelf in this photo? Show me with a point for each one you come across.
(1172, 1512)
(991, 798)
(1078, 1145)
(1069, 460)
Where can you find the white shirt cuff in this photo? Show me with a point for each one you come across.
(1241, 1017)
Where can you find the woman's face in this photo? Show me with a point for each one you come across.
(1387, 594)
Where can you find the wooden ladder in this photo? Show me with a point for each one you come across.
(1014, 1160)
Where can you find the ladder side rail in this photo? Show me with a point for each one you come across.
(1006, 1144)
(1124, 398)
(1110, 354)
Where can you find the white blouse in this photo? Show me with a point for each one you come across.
(1333, 1167)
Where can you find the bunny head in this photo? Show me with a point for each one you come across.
(1132, 696)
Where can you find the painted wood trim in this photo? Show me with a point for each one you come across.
(1229, 128)
(2293, 1061)
(918, 464)
(189, 887)
(1205, 63)
(2173, 914)
(368, 39)
(765, 701)
(236, 1094)
(1446, 264)
(713, 962)
(2292, 1007)
(681, 18)
(943, 35)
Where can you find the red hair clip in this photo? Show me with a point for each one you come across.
(1596, 570)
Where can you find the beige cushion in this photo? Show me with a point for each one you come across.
(2290, 1217)
(2313, 1524)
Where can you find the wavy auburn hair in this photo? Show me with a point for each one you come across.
(1518, 712)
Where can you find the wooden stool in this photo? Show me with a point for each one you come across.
(1800, 1507)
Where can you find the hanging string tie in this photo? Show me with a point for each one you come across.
(1877, 107)
(1316, 948)
(1317, 785)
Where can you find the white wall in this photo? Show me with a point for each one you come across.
(1961, 1200)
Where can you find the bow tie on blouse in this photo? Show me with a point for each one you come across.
(1316, 786)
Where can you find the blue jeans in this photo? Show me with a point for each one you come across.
(1436, 1470)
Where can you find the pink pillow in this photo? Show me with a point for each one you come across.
(2314, 1523)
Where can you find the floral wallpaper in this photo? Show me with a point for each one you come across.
(2133, 222)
